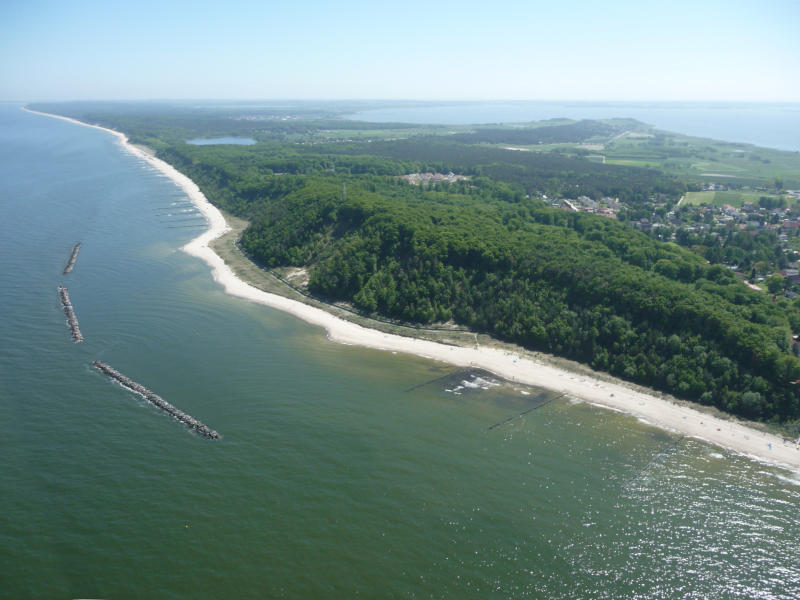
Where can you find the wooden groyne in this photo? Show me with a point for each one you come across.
(156, 400)
(525, 412)
(72, 258)
(72, 320)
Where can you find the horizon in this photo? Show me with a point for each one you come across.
(434, 101)
(450, 52)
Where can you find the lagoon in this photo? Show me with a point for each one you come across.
(235, 141)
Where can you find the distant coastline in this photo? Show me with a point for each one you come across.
(513, 366)
(771, 125)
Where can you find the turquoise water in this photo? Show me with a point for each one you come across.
(768, 125)
(337, 476)
(236, 141)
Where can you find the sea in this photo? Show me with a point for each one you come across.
(342, 472)
(771, 125)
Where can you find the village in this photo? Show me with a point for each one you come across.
(758, 240)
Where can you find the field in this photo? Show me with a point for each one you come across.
(707, 160)
(684, 157)
(733, 198)
(339, 135)
(630, 162)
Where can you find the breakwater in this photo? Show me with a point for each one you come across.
(157, 400)
(72, 258)
(72, 320)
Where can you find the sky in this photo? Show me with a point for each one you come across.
(435, 50)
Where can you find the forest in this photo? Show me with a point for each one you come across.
(487, 253)
(576, 285)
(546, 134)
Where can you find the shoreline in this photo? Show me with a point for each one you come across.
(509, 365)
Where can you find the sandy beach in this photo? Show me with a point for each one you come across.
(679, 418)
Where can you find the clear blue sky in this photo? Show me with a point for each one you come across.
(555, 49)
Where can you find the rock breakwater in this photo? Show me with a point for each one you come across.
(157, 400)
(72, 320)
(72, 258)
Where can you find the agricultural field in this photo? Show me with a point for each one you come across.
(631, 144)
(733, 198)
(630, 162)
(707, 160)
(339, 135)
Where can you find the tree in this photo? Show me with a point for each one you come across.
(775, 283)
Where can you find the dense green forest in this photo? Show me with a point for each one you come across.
(486, 252)
(576, 285)
(526, 173)
(546, 134)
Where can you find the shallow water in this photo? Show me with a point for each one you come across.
(342, 471)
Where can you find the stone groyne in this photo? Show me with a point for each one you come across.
(156, 400)
(72, 258)
(72, 320)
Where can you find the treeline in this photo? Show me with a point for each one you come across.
(165, 128)
(156, 123)
(241, 179)
(533, 172)
(546, 134)
(576, 285)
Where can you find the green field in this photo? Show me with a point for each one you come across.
(328, 135)
(734, 198)
(707, 160)
(696, 159)
(629, 162)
